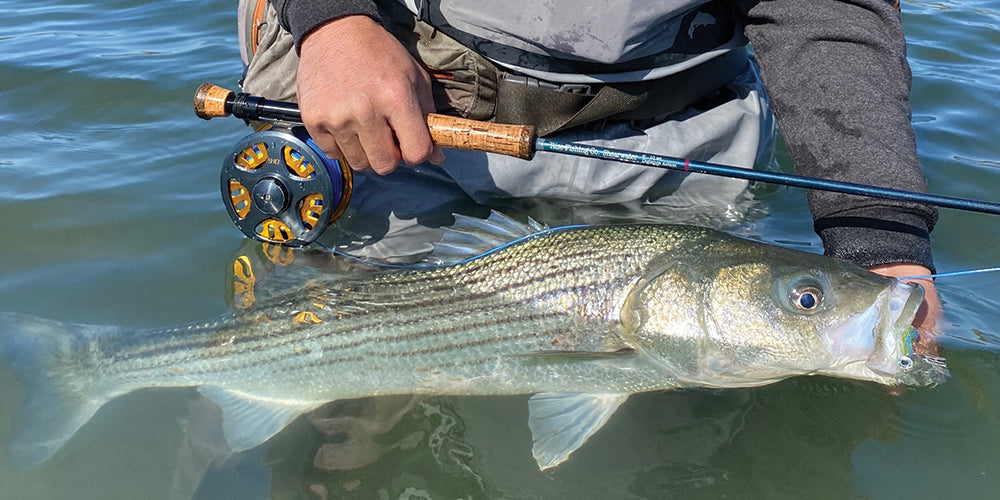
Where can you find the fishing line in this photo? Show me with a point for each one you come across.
(430, 265)
(363, 260)
(951, 274)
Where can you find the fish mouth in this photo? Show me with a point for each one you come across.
(893, 355)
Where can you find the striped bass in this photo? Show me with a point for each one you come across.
(580, 317)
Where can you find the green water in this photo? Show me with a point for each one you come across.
(110, 213)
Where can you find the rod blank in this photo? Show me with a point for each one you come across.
(685, 165)
(520, 141)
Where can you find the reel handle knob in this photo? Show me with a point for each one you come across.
(212, 101)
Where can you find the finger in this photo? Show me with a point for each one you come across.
(380, 147)
(353, 152)
(410, 125)
(930, 311)
(437, 156)
(415, 144)
(328, 145)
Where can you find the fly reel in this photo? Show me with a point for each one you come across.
(279, 187)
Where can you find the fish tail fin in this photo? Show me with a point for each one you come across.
(57, 366)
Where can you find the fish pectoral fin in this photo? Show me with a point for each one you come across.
(561, 422)
(248, 421)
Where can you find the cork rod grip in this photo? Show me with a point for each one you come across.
(212, 101)
(461, 133)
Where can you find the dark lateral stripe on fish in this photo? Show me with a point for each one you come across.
(445, 309)
(524, 283)
(287, 341)
(427, 279)
(325, 360)
(282, 328)
(435, 285)
(474, 299)
(423, 351)
(455, 328)
(557, 242)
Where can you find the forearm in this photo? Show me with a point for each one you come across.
(299, 17)
(839, 83)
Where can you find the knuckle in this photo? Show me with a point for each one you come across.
(357, 163)
(417, 153)
(333, 119)
(385, 162)
(382, 157)
(329, 147)
(396, 93)
(355, 157)
(360, 111)
(399, 93)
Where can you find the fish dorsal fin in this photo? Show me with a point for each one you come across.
(470, 237)
(249, 421)
(561, 422)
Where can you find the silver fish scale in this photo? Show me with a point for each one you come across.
(472, 328)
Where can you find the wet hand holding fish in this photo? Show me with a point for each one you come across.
(581, 317)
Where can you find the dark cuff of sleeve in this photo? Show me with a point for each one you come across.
(300, 17)
(870, 240)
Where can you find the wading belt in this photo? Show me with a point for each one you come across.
(552, 107)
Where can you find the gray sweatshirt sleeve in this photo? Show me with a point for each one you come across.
(839, 83)
(299, 17)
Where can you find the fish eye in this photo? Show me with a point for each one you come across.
(806, 297)
(905, 362)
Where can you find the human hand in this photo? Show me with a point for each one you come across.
(930, 309)
(363, 96)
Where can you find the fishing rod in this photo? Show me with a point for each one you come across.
(279, 208)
